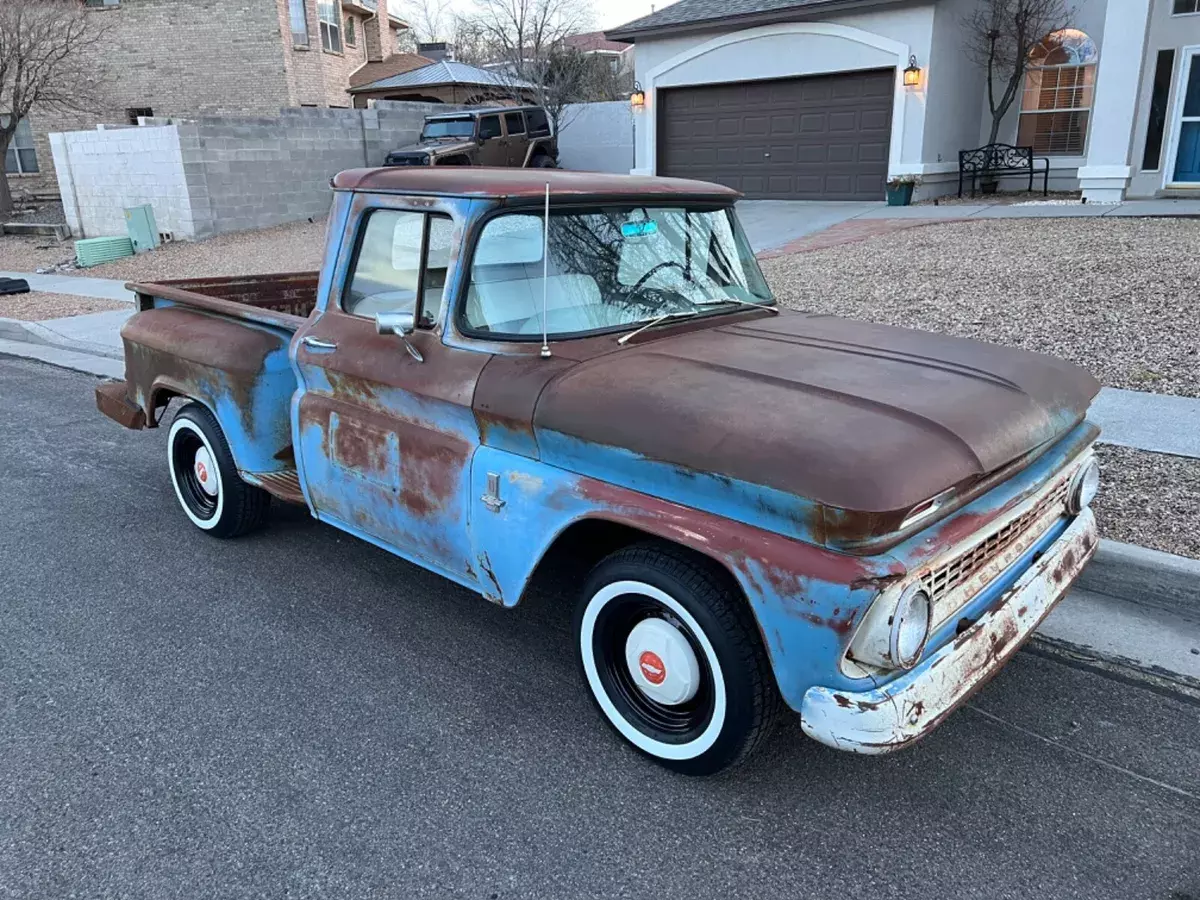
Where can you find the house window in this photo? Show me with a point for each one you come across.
(330, 16)
(133, 112)
(21, 157)
(299, 20)
(1057, 100)
(351, 40)
(1186, 7)
(101, 4)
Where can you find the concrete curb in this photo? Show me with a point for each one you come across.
(1145, 577)
(35, 333)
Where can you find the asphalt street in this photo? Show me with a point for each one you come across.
(299, 714)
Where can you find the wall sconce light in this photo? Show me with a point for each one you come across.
(912, 75)
(638, 98)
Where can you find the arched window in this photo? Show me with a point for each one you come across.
(1058, 93)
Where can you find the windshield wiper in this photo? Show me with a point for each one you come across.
(657, 320)
(716, 301)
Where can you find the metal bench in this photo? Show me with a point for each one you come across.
(1001, 159)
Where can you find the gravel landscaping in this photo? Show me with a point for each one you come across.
(1150, 499)
(37, 305)
(297, 247)
(1117, 296)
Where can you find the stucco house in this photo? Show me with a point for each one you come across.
(805, 99)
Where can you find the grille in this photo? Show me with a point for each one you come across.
(942, 581)
(406, 160)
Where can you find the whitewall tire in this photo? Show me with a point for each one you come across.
(205, 477)
(672, 658)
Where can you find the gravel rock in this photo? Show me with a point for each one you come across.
(297, 247)
(1150, 499)
(38, 305)
(1116, 296)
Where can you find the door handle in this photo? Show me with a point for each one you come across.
(313, 343)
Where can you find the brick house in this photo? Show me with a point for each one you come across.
(190, 58)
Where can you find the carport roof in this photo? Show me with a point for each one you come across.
(696, 15)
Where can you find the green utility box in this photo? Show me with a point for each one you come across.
(93, 251)
(143, 230)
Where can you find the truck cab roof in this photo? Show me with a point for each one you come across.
(529, 185)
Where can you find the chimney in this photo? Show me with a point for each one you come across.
(436, 50)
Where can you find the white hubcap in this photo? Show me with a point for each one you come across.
(662, 662)
(205, 472)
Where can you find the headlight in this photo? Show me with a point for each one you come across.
(1085, 484)
(894, 631)
(910, 627)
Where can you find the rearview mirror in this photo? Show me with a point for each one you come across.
(401, 323)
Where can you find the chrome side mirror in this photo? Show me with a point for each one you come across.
(401, 324)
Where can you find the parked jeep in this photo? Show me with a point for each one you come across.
(520, 137)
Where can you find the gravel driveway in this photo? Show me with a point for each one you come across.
(1117, 296)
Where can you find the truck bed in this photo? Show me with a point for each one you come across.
(283, 300)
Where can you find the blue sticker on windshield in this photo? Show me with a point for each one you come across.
(639, 229)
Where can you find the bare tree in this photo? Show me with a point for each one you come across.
(999, 37)
(45, 65)
(428, 20)
(524, 40)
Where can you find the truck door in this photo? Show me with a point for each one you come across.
(385, 441)
(493, 151)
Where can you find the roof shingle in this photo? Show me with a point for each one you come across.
(687, 12)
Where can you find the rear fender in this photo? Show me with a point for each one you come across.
(240, 371)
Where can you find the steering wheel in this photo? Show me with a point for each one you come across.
(641, 282)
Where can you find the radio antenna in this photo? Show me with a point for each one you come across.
(545, 272)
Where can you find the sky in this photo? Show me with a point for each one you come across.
(610, 13)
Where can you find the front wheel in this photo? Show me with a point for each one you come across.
(542, 161)
(673, 660)
(205, 477)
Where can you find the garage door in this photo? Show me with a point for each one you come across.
(820, 138)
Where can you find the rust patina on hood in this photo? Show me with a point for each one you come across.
(850, 415)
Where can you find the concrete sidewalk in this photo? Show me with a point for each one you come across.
(79, 285)
(774, 224)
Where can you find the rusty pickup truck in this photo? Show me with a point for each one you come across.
(495, 370)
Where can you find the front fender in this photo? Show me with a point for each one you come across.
(806, 600)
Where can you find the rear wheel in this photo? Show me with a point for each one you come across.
(673, 659)
(542, 161)
(205, 477)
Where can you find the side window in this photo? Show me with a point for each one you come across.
(514, 123)
(539, 125)
(489, 127)
(387, 274)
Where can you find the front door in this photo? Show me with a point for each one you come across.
(385, 440)
(493, 151)
(1187, 158)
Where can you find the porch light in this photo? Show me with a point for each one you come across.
(638, 98)
(912, 75)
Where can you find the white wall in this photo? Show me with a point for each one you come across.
(597, 137)
(883, 39)
(102, 172)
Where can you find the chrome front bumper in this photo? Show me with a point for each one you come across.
(912, 705)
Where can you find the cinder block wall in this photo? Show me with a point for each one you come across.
(224, 174)
(100, 173)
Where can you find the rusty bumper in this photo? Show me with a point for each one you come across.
(911, 706)
(112, 399)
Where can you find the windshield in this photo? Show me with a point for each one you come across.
(609, 269)
(443, 128)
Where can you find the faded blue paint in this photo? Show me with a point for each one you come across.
(753, 504)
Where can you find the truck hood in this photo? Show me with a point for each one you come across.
(848, 414)
(435, 147)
